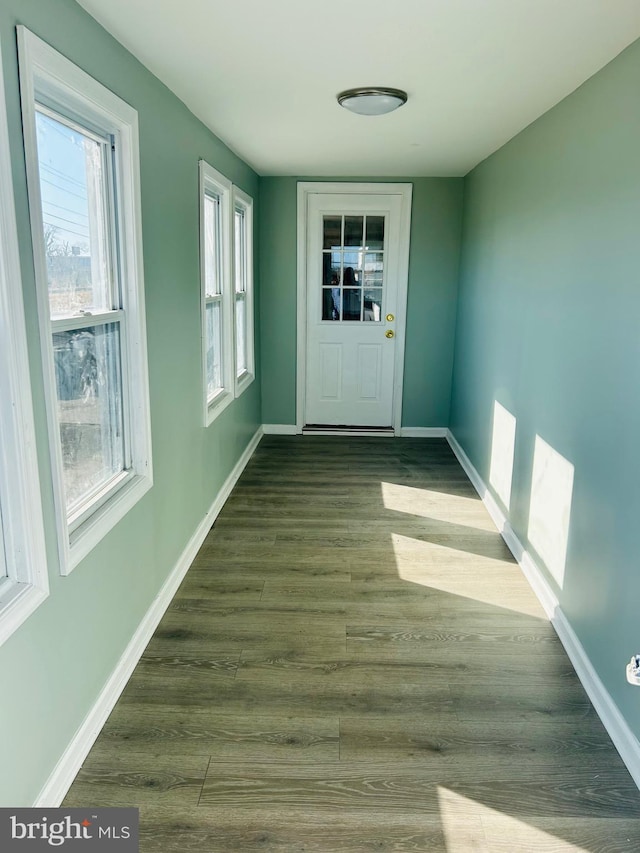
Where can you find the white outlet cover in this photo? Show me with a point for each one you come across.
(632, 677)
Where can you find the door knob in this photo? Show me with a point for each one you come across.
(390, 318)
(389, 333)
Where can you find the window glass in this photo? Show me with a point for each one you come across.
(214, 348)
(241, 274)
(88, 384)
(73, 176)
(213, 245)
(348, 266)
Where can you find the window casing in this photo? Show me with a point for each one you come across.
(81, 144)
(243, 288)
(217, 307)
(23, 567)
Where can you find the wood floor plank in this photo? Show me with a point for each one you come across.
(295, 693)
(502, 747)
(287, 830)
(342, 785)
(205, 585)
(175, 731)
(353, 663)
(504, 834)
(132, 787)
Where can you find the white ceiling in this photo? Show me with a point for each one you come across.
(263, 74)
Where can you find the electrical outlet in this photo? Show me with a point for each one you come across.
(633, 670)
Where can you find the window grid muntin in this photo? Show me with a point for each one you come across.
(337, 256)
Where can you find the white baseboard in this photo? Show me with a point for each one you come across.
(349, 433)
(422, 432)
(617, 727)
(280, 429)
(71, 761)
(404, 432)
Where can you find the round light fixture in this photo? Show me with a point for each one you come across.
(372, 100)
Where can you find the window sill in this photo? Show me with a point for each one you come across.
(243, 381)
(217, 405)
(84, 539)
(17, 602)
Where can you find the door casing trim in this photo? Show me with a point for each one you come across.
(305, 188)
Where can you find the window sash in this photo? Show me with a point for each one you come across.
(241, 334)
(213, 391)
(243, 285)
(105, 436)
(111, 428)
(101, 216)
(213, 248)
(216, 290)
(240, 249)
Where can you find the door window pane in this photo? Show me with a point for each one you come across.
(375, 232)
(373, 269)
(353, 226)
(332, 227)
(351, 304)
(330, 303)
(88, 384)
(331, 269)
(372, 305)
(351, 277)
(75, 216)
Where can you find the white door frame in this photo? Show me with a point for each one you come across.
(405, 191)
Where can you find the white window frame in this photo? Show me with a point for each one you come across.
(214, 183)
(244, 202)
(48, 77)
(24, 583)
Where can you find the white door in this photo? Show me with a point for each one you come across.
(353, 270)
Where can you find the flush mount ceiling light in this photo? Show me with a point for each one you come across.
(372, 100)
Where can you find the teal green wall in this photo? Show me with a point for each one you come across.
(548, 325)
(54, 666)
(431, 301)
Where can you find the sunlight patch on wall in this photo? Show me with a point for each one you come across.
(474, 573)
(503, 444)
(440, 506)
(469, 824)
(550, 507)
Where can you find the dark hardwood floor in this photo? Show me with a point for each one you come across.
(356, 663)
